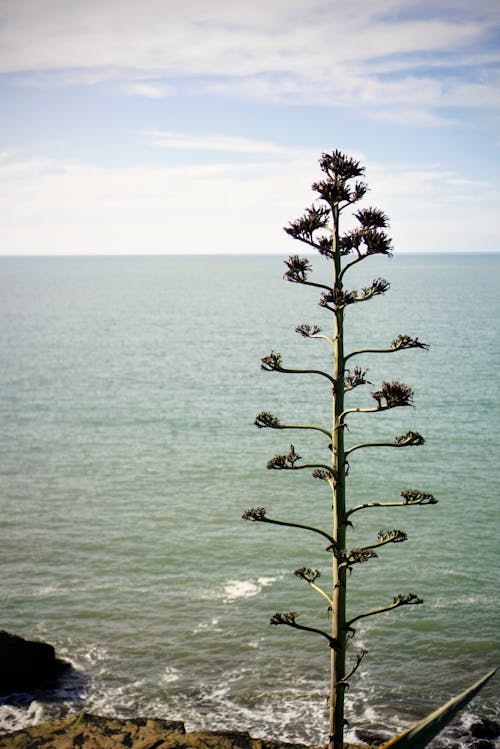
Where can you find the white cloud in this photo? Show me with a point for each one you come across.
(434, 208)
(234, 144)
(326, 52)
(51, 207)
(397, 61)
(195, 37)
(148, 89)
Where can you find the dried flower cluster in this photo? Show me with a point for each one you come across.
(284, 462)
(285, 617)
(356, 556)
(355, 378)
(410, 438)
(271, 363)
(307, 574)
(407, 599)
(265, 420)
(417, 497)
(298, 269)
(308, 331)
(256, 514)
(393, 394)
(405, 341)
(321, 473)
(392, 536)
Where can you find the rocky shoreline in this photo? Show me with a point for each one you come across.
(96, 732)
(26, 664)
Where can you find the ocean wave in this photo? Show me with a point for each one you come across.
(236, 589)
(475, 599)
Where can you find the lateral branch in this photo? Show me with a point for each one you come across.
(406, 599)
(266, 420)
(398, 344)
(411, 497)
(258, 515)
(272, 363)
(289, 618)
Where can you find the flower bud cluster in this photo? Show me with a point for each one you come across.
(409, 439)
(284, 462)
(393, 394)
(407, 599)
(404, 341)
(417, 497)
(394, 536)
(265, 420)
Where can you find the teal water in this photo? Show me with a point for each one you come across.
(129, 388)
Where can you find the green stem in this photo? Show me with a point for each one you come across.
(306, 426)
(353, 670)
(381, 504)
(324, 337)
(371, 444)
(373, 612)
(349, 265)
(331, 640)
(371, 351)
(320, 590)
(306, 371)
(373, 410)
(377, 544)
(317, 285)
(315, 465)
(312, 528)
(339, 632)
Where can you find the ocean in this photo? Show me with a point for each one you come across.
(129, 390)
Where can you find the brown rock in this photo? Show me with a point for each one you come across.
(95, 732)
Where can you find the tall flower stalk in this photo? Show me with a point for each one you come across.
(341, 188)
(320, 229)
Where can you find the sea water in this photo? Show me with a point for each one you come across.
(128, 454)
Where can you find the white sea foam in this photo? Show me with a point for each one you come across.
(213, 624)
(170, 675)
(255, 643)
(48, 590)
(13, 718)
(235, 589)
(465, 600)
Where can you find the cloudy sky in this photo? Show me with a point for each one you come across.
(169, 126)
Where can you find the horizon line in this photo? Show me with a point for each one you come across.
(222, 254)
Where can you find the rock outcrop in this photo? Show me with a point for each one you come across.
(94, 732)
(482, 728)
(26, 664)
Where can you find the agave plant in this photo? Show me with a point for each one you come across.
(341, 188)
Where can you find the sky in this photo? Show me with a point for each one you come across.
(196, 126)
